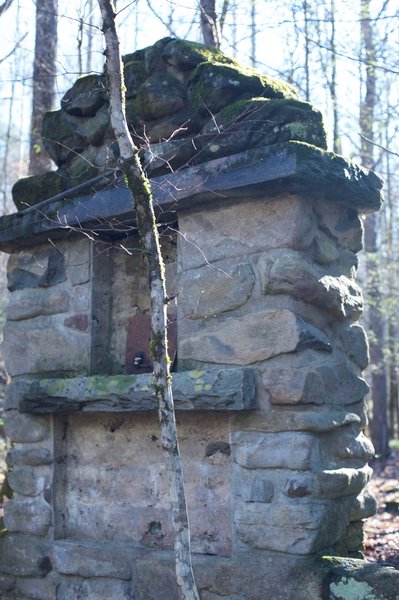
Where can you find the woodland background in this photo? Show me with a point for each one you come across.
(343, 57)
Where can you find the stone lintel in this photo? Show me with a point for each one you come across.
(218, 389)
(292, 167)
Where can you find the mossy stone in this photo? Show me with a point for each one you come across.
(160, 95)
(61, 136)
(187, 55)
(95, 129)
(213, 86)
(153, 55)
(134, 75)
(29, 191)
(178, 125)
(86, 96)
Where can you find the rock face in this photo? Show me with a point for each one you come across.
(174, 89)
(269, 392)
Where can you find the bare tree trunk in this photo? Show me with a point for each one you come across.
(307, 49)
(333, 82)
(209, 24)
(253, 33)
(44, 72)
(142, 198)
(378, 425)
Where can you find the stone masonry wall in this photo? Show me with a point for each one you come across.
(271, 284)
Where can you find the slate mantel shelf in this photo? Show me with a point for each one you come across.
(231, 389)
(291, 167)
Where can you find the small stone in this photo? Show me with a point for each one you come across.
(27, 516)
(29, 456)
(26, 428)
(160, 95)
(28, 481)
(78, 323)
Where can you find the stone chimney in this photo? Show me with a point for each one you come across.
(260, 229)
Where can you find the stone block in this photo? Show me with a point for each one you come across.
(78, 261)
(6, 584)
(351, 578)
(299, 420)
(213, 389)
(24, 556)
(313, 379)
(45, 267)
(44, 588)
(346, 447)
(27, 516)
(261, 490)
(252, 338)
(90, 560)
(342, 482)
(244, 228)
(29, 481)
(30, 456)
(94, 589)
(355, 344)
(44, 344)
(26, 428)
(342, 224)
(28, 305)
(282, 528)
(289, 450)
(363, 506)
(210, 291)
(290, 273)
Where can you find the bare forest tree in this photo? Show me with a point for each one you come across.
(139, 186)
(379, 425)
(44, 77)
(209, 23)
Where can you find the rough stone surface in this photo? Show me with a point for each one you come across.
(44, 588)
(24, 428)
(24, 555)
(290, 273)
(27, 516)
(277, 450)
(239, 230)
(312, 378)
(94, 589)
(29, 456)
(90, 560)
(28, 481)
(253, 338)
(121, 456)
(61, 349)
(355, 344)
(213, 389)
(208, 292)
(34, 302)
(341, 482)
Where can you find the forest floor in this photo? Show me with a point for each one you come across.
(382, 530)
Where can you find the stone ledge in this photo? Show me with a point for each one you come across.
(218, 389)
(292, 167)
